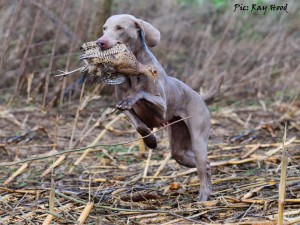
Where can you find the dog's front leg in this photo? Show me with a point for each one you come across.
(156, 102)
(142, 128)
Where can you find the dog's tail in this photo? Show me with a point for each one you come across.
(214, 89)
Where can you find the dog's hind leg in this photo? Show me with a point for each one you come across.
(199, 127)
(191, 151)
(180, 143)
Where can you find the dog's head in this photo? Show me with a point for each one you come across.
(125, 29)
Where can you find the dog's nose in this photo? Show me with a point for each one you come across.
(103, 44)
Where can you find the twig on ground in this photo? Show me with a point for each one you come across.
(141, 144)
(77, 115)
(162, 165)
(17, 173)
(252, 150)
(85, 213)
(282, 185)
(245, 213)
(147, 164)
(274, 151)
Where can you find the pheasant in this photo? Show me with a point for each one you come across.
(112, 65)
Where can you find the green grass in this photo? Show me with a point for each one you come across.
(157, 157)
(251, 172)
(118, 148)
(214, 108)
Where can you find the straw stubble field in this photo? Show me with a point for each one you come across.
(117, 183)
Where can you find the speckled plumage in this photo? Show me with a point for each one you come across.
(112, 65)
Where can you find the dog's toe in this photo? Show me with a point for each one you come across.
(125, 104)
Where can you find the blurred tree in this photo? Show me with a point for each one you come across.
(103, 11)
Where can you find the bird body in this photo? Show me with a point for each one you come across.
(112, 65)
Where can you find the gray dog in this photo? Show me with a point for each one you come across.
(151, 104)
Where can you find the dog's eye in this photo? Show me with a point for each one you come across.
(119, 28)
(104, 28)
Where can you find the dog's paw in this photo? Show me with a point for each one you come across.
(126, 103)
(202, 197)
(204, 192)
(150, 140)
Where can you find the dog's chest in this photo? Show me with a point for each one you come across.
(147, 115)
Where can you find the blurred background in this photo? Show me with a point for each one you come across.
(199, 40)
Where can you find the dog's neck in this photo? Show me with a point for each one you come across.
(145, 56)
(142, 52)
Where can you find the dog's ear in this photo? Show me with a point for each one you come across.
(152, 35)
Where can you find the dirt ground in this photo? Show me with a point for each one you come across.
(129, 185)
